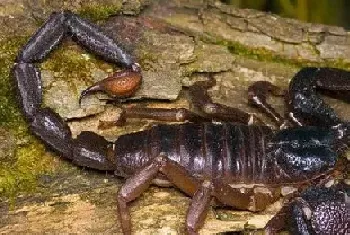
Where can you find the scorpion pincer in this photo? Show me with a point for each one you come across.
(320, 209)
(227, 161)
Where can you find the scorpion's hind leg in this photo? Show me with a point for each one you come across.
(202, 200)
(306, 105)
(202, 191)
(198, 208)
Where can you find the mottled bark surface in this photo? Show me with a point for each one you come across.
(175, 41)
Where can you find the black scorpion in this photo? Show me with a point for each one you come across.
(206, 160)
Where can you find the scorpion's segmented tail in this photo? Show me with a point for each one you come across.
(88, 149)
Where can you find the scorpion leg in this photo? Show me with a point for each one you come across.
(133, 188)
(306, 105)
(202, 102)
(205, 109)
(257, 94)
(198, 208)
(137, 184)
(227, 195)
(160, 114)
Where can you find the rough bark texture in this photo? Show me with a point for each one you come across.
(174, 41)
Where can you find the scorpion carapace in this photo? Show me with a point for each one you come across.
(244, 165)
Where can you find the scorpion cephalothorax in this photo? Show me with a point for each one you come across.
(239, 165)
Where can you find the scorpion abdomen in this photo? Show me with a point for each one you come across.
(230, 152)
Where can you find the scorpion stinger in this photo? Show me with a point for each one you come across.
(121, 84)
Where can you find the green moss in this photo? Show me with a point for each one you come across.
(99, 12)
(10, 115)
(69, 59)
(30, 158)
(263, 54)
(72, 62)
(32, 161)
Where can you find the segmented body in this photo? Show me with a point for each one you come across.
(229, 152)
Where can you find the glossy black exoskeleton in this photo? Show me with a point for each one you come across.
(329, 207)
(320, 209)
